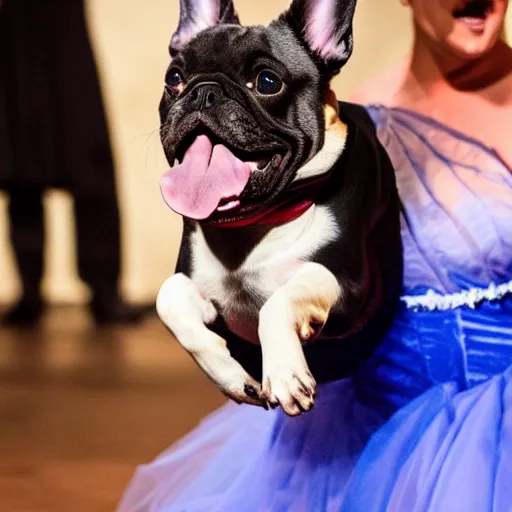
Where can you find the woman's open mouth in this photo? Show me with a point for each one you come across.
(474, 14)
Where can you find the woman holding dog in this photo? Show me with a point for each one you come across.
(426, 424)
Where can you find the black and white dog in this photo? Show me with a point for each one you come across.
(290, 265)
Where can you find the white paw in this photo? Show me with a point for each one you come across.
(294, 389)
(208, 312)
(229, 376)
(244, 391)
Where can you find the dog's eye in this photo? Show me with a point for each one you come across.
(268, 83)
(174, 80)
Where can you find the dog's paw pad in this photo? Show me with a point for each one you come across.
(248, 392)
(251, 391)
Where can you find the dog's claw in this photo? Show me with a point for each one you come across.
(294, 393)
(248, 392)
(254, 392)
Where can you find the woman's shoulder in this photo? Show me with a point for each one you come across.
(380, 90)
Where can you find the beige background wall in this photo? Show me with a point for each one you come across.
(130, 39)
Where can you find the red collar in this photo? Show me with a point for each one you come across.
(279, 215)
(302, 198)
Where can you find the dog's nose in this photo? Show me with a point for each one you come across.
(205, 96)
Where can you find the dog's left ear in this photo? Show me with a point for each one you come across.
(198, 15)
(325, 27)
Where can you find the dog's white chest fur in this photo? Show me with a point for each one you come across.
(240, 293)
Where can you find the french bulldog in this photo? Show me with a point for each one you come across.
(290, 263)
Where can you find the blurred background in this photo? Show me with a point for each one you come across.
(81, 406)
(130, 42)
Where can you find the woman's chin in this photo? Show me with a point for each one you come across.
(471, 48)
(468, 43)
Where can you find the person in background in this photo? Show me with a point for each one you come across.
(426, 424)
(54, 134)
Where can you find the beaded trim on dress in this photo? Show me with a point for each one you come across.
(471, 298)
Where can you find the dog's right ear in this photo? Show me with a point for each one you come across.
(198, 15)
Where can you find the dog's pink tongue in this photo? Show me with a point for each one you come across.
(207, 175)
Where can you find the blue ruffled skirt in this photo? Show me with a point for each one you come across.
(446, 449)
(426, 424)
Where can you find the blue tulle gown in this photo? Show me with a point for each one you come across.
(426, 425)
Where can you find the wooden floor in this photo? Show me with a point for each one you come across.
(81, 407)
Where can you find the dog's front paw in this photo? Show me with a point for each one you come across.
(291, 388)
(227, 373)
(244, 391)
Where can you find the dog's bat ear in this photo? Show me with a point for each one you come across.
(325, 27)
(198, 15)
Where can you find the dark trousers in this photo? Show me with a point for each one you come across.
(97, 232)
(54, 134)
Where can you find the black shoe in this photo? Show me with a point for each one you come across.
(118, 312)
(25, 313)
